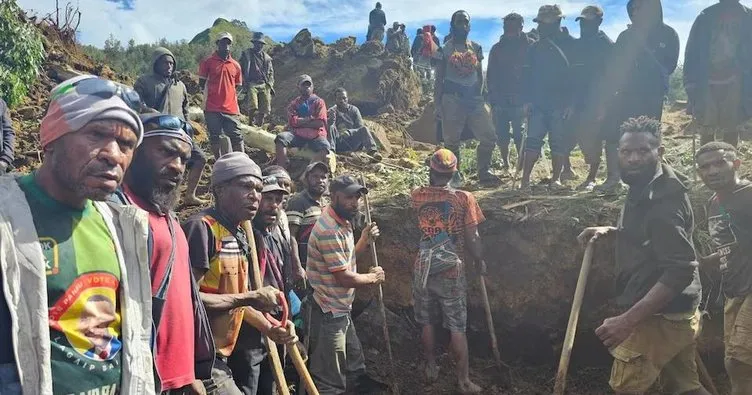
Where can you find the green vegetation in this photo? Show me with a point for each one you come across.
(676, 86)
(22, 53)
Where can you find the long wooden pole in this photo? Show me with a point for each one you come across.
(574, 316)
(276, 363)
(489, 320)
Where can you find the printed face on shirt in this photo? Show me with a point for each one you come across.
(92, 161)
(718, 169)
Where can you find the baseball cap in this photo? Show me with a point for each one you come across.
(271, 184)
(258, 37)
(346, 184)
(303, 78)
(315, 165)
(590, 13)
(225, 35)
(444, 161)
(548, 14)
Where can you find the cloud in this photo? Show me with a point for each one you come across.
(127, 5)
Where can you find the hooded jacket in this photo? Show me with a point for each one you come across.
(257, 68)
(151, 87)
(25, 289)
(505, 65)
(643, 60)
(697, 54)
(548, 84)
(654, 244)
(590, 61)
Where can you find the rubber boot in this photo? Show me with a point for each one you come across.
(485, 176)
(238, 146)
(216, 149)
(613, 180)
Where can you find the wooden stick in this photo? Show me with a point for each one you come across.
(276, 364)
(489, 320)
(574, 316)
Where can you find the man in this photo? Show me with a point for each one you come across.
(305, 207)
(424, 51)
(505, 63)
(642, 61)
(392, 41)
(730, 225)
(548, 88)
(592, 52)
(448, 220)
(404, 42)
(163, 93)
(258, 79)
(347, 132)
(64, 248)
(220, 259)
(657, 281)
(337, 362)
(283, 225)
(184, 347)
(248, 362)
(716, 73)
(458, 95)
(417, 42)
(220, 76)
(306, 119)
(7, 138)
(376, 24)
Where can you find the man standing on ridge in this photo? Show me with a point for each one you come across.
(505, 71)
(448, 220)
(548, 87)
(73, 266)
(163, 93)
(729, 214)
(220, 77)
(258, 79)
(717, 73)
(458, 95)
(376, 24)
(592, 52)
(657, 281)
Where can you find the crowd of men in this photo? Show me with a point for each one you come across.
(104, 290)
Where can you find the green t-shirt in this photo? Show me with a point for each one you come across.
(83, 284)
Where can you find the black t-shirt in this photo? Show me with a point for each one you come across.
(730, 226)
(6, 334)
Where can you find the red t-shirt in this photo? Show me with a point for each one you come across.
(222, 76)
(301, 107)
(175, 339)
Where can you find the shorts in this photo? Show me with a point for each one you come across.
(722, 110)
(737, 331)
(220, 123)
(551, 123)
(260, 99)
(456, 114)
(587, 131)
(504, 117)
(658, 348)
(290, 140)
(442, 301)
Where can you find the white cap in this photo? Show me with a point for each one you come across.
(225, 35)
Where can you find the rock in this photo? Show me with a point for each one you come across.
(29, 112)
(380, 135)
(344, 44)
(302, 44)
(408, 163)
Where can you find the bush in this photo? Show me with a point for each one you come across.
(22, 53)
(676, 86)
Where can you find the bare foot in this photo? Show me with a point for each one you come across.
(468, 387)
(192, 200)
(432, 372)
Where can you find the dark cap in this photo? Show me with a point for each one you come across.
(549, 14)
(590, 13)
(258, 37)
(271, 184)
(346, 184)
(315, 165)
(514, 17)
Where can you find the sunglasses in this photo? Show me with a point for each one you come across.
(270, 180)
(169, 122)
(102, 88)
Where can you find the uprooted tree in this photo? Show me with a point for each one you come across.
(22, 52)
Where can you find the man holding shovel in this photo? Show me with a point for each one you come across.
(657, 280)
(448, 220)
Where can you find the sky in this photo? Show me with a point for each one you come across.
(147, 21)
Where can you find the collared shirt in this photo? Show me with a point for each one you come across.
(301, 107)
(331, 250)
(222, 77)
(303, 211)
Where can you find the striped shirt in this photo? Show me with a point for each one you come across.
(303, 211)
(331, 249)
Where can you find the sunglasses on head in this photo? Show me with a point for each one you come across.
(102, 88)
(169, 122)
(270, 180)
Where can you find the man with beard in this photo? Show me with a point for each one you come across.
(505, 64)
(657, 281)
(548, 87)
(717, 75)
(258, 79)
(62, 243)
(448, 220)
(337, 361)
(592, 51)
(184, 347)
(305, 207)
(458, 95)
(729, 216)
(248, 362)
(219, 253)
(162, 92)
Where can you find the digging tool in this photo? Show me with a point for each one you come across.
(375, 258)
(705, 378)
(574, 316)
(276, 364)
(489, 320)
